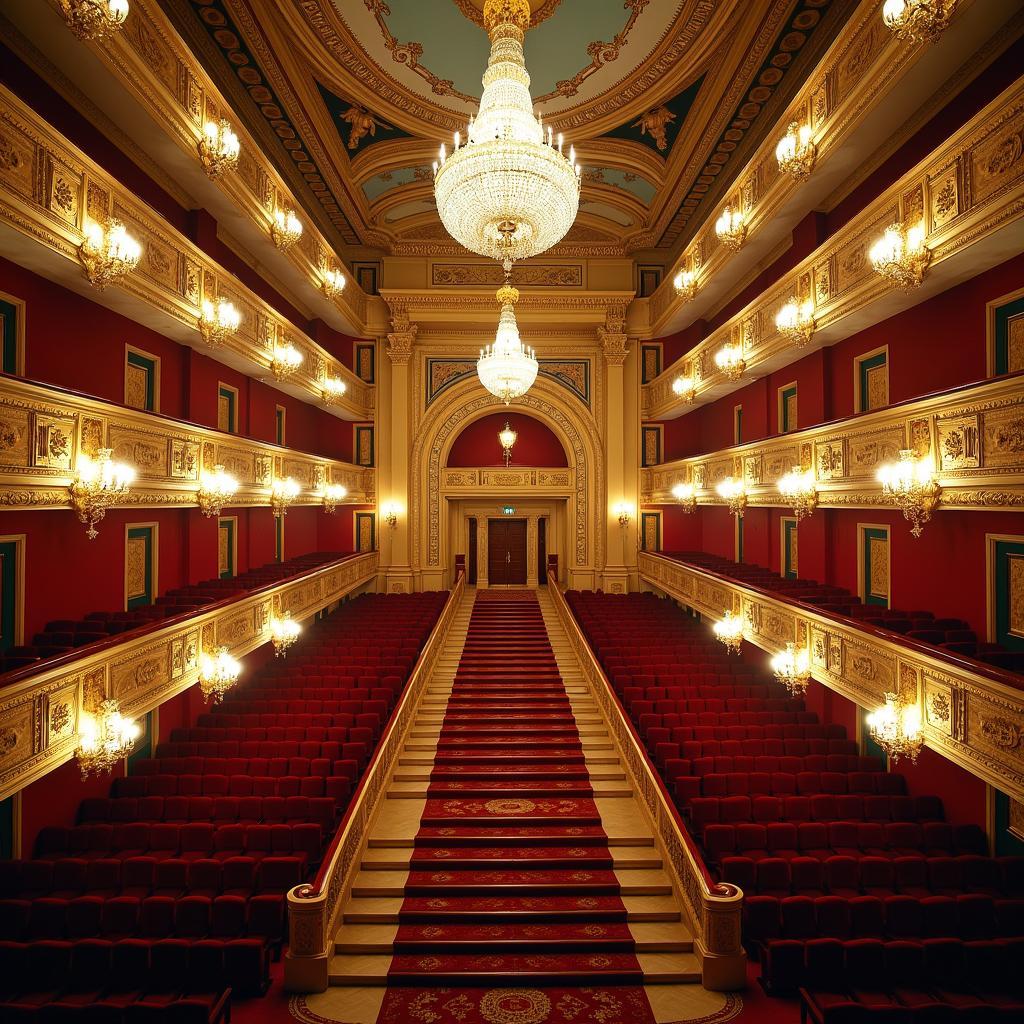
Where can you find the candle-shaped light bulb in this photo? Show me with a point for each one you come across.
(559, 143)
(458, 139)
(551, 136)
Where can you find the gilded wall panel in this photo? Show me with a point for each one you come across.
(869, 451)
(15, 431)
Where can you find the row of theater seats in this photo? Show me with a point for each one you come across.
(194, 852)
(841, 852)
(949, 634)
(63, 635)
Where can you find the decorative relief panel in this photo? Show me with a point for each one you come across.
(524, 275)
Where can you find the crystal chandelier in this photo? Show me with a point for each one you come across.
(910, 484)
(685, 388)
(108, 252)
(507, 437)
(217, 674)
(104, 739)
(686, 495)
(282, 494)
(914, 20)
(800, 489)
(734, 494)
(389, 513)
(216, 489)
(792, 668)
(729, 359)
(286, 360)
(686, 284)
(730, 631)
(901, 255)
(896, 728)
(93, 19)
(795, 321)
(334, 389)
(217, 321)
(284, 631)
(98, 484)
(333, 282)
(334, 495)
(507, 368)
(218, 147)
(285, 229)
(623, 512)
(731, 228)
(796, 152)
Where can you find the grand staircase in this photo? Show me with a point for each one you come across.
(511, 862)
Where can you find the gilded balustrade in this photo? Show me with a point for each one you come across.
(39, 713)
(43, 430)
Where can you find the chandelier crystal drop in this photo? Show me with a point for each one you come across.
(730, 631)
(98, 484)
(286, 360)
(285, 229)
(216, 489)
(93, 19)
(901, 255)
(917, 20)
(508, 192)
(333, 282)
(734, 493)
(284, 631)
(218, 147)
(686, 495)
(104, 739)
(217, 321)
(729, 359)
(507, 438)
(792, 668)
(910, 484)
(334, 495)
(896, 728)
(685, 388)
(800, 488)
(334, 389)
(507, 368)
(108, 252)
(795, 321)
(282, 494)
(731, 228)
(686, 284)
(796, 151)
(218, 672)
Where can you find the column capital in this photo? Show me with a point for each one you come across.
(614, 345)
(401, 339)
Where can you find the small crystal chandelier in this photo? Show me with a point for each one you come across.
(333, 282)
(896, 728)
(93, 19)
(734, 493)
(686, 495)
(918, 20)
(686, 284)
(287, 359)
(284, 631)
(98, 484)
(334, 389)
(334, 495)
(285, 229)
(108, 252)
(910, 484)
(282, 494)
(216, 489)
(792, 668)
(729, 359)
(800, 489)
(731, 228)
(685, 388)
(795, 321)
(901, 255)
(218, 147)
(730, 631)
(217, 674)
(623, 511)
(389, 512)
(796, 152)
(507, 368)
(104, 739)
(507, 437)
(217, 321)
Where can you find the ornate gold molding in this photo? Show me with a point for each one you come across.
(39, 715)
(499, 481)
(43, 430)
(975, 435)
(964, 712)
(48, 189)
(967, 190)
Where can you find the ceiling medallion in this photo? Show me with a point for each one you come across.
(475, 13)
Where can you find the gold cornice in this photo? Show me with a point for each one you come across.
(47, 188)
(39, 715)
(863, 665)
(44, 429)
(966, 190)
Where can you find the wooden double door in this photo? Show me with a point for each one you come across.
(506, 552)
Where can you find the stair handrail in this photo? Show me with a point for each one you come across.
(314, 907)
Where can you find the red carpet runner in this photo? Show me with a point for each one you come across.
(512, 912)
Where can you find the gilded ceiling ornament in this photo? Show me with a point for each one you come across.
(363, 123)
(655, 123)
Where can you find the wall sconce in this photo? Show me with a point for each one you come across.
(734, 493)
(217, 321)
(333, 282)
(896, 728)
(918, 20)
(216, 489)
(334, 389)
(334, 495)
(686, 495)
(98, 484)
(795, 321)
(507, 438)
(287, 359)
(730, 631)
(93, 19)
(800, 489)
(686, 284)
(796, 152)
(623, 511)
(910, 484)
(285, 229)
(107, 252)
(218, 147)
(389, 513)
(104, 739)
(284, 631)
(282, 494)
(901, 256)
(729, 359)
(218, 672)
(792, 668)
(731, 228)
(685, 388)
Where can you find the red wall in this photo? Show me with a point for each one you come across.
(536, 445)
